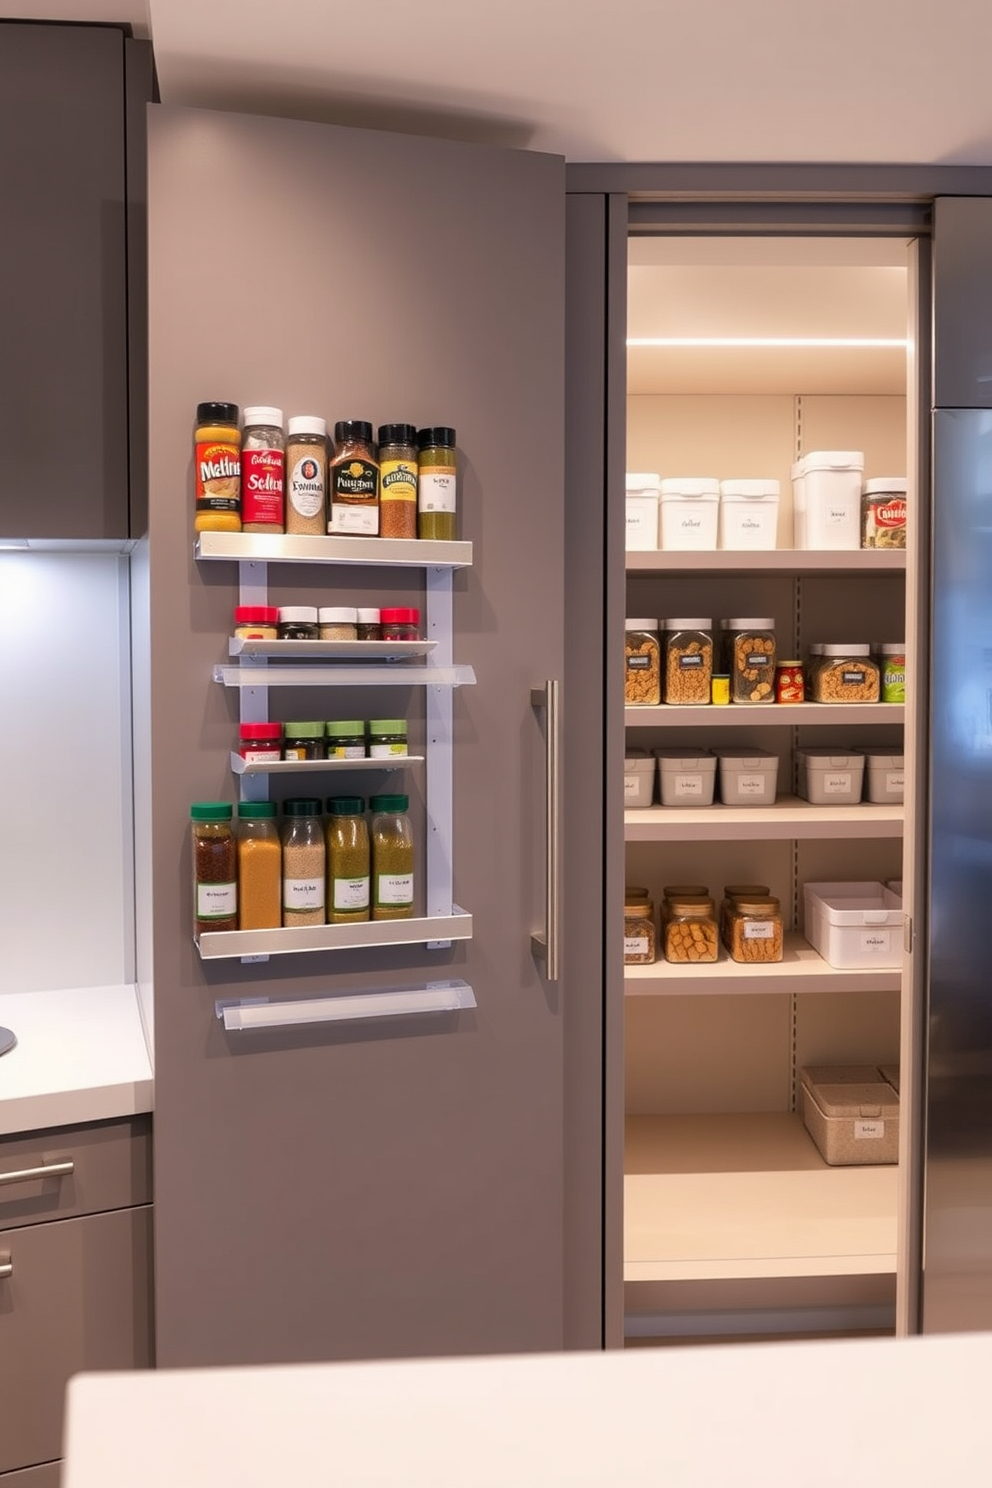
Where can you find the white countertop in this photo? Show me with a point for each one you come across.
(892, 1413)
(80, 1056)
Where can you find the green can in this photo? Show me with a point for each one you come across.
(892, 664)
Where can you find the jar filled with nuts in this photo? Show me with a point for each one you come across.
(755, 930)
(690, 931)
(639, 947)
(642, 663)
(845, 674)
(749, 657)
(688, 648)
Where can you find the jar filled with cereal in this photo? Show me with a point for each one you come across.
(639, 945)
(845, 674)
(755, 930)
(749, 657)
(642, 663)
(690, 931)
(688, 646)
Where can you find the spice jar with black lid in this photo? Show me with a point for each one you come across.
(298, 623)
(353, 477)
(215, 867)
(397, 480)
(217, 455)
(437, 481)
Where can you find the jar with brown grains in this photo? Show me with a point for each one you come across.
(215, 867)
(688, 660)
(755, 930)
(304, 857)
(306, 476)
(353, 477)
(397, 481)
(639, 944)
(642, 663)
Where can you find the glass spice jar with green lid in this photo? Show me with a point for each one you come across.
(345, 738)
(392, 858)
(437, 478)
(387, 738)
(303, 741)
(215, 867)
(348, 861)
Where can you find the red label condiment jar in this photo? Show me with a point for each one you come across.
(790, 682)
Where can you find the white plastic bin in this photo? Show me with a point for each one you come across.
(747, 779)
(885, 777)
(749, 514)
(854, 926)
(642, 512)
(686, 776)
(830, 776)
(689, 510)
(638, 778)
(827, 492)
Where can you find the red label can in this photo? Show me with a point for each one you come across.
(790, 683)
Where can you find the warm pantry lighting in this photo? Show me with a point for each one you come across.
(784, 341)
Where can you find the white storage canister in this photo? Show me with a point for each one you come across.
(689, 509)
(642, 512)
(885, 777)
(749, 514)
(638, 778)
(830, 776)
(686, 776)
(747, 779)
(831, 498)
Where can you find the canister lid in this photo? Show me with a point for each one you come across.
(686, 624)
(692, 487)
(639, 909)
(348, 429)
(260, 413)
(389, 803)
(345, 728)
(337, 614)
(685, 891)
(642, 483)
(216, 413)
(891, 648)
(857, 648)
(892, 485)
(438, 437)
(301, 806)
(699, 904)
(256, 809)
(400, 616)
(832, 460)
(744, 891)
(367, 617)
(255, 615)
(634, 891)
(211, 811)
(762, 623)
(260, 730)
(397, 434)
(387, 725)
(307, 423)
(640, 625)
(345, 806)
(757, 904)
(750, 490)
(314, 730)
(304, 613)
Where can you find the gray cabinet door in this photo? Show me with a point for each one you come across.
(46, 1476)
(63, 362)
(77, 1296)
(392, 1189)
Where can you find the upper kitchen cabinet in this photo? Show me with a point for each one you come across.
(63, 268)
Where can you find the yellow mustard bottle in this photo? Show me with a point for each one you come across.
(217, 460)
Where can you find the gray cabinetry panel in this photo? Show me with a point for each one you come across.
(78, 1297)
(112, 1169)
(962, 325)
(63, 362)
(46, 1476)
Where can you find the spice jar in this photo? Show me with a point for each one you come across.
(392, 858)
(639, 944)
(353, 478)
(642, 663)
(891, 658)
(306, 475)
(338, 623)
(755, 930)
(298, 623)
(790, 682)
(260, 743)
(387, 738)
(737, 891)
(688, 661)
(215, 867)
(845, 674)
(690, 931)
(749, 657)
(217, 461)
(400, 624)
(256, 622)
(437, 481)
(345, 738)
(259, 866)
(397, 480)
(348, 861)
(671, 892)
(263, 466)
(304, 858)
(369, 628)
(303, 741)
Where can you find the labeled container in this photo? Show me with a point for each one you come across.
(215, 867)
(749, 514)
(260, 743)
(689, 512)
(690, 931)
(826, 487)
(688, 664)
(640, 947)
(854, 926)
(306, 475)
(754, 930)
(397, 481)
(883, 512)
(337, 623)
(885, 777)
(747, 778)
(437, 483)
(298, 623)
(217, 466)
(853, 1123)
(304, 859)
(638, 778)
(844, 674)
(891, 659)
(256, 622)
(737, 891)
(642, 663)
(303, 741)
(399, 623)
(344, 738)
(368, 626)
(641, 511)
(387, 738)
(349, 871)
(353, 481)
(790, 682)
(259, 867)
(392, 858)
(748, 655)
(829, 776)
(686, 776)
(263, 471)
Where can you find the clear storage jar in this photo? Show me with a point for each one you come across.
(639, 942)
(845, 674)
(737, 891)
(642, 663)
(303, 863)
(348, 861)
(259, 867)
(688, 646)
(690, 931)
(755, 934)
(392, 858)
(749, 656)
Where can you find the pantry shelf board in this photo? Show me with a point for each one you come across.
(786, 715)
(293, 767)
(349, 674)
(789, 819)
(216, 945)
(779, 560)
(382, 652)
(747, 1195)
(800, 970)
(379, 552)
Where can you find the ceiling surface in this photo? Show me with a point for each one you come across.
(877, 81)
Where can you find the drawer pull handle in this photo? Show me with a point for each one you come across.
(47, 1170)
(6, 1268)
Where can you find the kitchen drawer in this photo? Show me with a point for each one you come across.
(46, 1476)
(111, 1169)
(79, 1296)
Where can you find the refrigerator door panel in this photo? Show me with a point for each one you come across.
(392, 1187)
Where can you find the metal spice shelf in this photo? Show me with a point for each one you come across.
(381, 652)
(428, 930)
(240, 766)
(345, 676)
(371, 552)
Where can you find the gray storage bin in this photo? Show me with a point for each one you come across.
(747, 778)
(885, 777)
(830, 776)
(638, 778)
(686, 776)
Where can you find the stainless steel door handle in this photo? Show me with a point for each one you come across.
(546, 945)
(47, 1170)
(6, 1268)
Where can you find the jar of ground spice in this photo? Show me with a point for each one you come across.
(397, 480)
(368, 627)
(437, 483)
(337, 623)
(353, 478)
(400, 624)
(215, 867)
(304, 859)
(259, 866)
(260, 743)
(256, 622)
(345, 738)
(392, 858)
(298, 623)
(263, 469)
(303, 741)
(348, 861)
(387, 738)
(306, 476)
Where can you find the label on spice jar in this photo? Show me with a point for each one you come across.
(894, 680)
(395, 888)
(360, 521)
(388, 751)
(262, 472)
(350, 893)
(346, 751)
(759, 930)
(216, 901)
(305, 487)
(218, 475)
(356, 480)
(436, 489)
(303, 893)
(635, 945)
(259, 756)
(399, 480)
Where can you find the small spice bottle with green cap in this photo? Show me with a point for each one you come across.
(436, 483)
(344, 739)
(303, 741)
(348, 861)
(392, 858)
(387, 738)
(215, 867)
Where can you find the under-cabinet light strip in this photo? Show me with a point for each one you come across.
(884, 342)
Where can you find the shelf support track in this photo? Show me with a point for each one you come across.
(439, 706)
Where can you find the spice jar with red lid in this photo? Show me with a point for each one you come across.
(256, 622)
(400, 624)
(260, 742)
